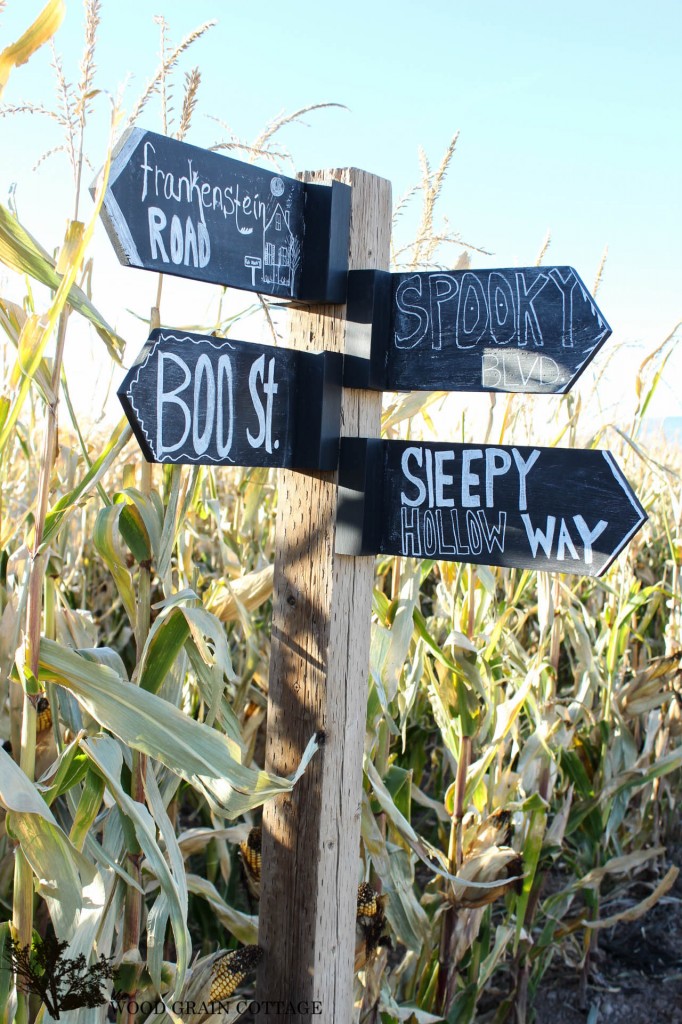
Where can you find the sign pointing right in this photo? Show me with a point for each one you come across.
(556, 509)
(528, 329)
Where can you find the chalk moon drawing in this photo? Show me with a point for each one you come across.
(277, 186)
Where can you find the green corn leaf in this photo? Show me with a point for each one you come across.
(463, 1008)
(443, 711)
(108, 540)
(200, 755)
(407, 917)
(133, 532)
(402, 628)
(106, 755)
(71, 770)
(506, 714)
(105, 656)
(380, 605)
(373, 839)
(167, 832)
(166, 639)
(88, 808)
(436, 650)
(204, 640)
(467, 709)
(148, 510)
(5, 975)
(575, 770)
(532, 848)
(399, 784)
(62, 873)
(173, 520)
(503, 936)
(429, 990)
(156, 922)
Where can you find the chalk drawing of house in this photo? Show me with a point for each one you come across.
(277, 246)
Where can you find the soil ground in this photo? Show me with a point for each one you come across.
(636, 978)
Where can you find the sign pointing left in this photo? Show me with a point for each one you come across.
(194, 399)
(178, 209)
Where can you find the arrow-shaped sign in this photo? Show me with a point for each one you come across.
(181, 210)
(553, 509)
(531, 329)
(212, 401)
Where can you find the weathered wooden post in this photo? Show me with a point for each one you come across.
(318, 681)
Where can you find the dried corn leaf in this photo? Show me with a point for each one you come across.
(248, 592)
(499, 864)
(244, 927)
(619, 865)
(651, 687)
(20, 251)
(35, 36)
(641, 908)
(74, 499)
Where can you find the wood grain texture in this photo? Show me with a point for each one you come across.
(318, 681)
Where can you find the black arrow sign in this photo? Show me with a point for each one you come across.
(532, 329)
(181, 210)
(554, 509)
(196, 399)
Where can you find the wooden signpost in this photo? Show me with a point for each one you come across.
(554, 509)
(177, 209)
(318, 681)
(197, 399)
(192, 398)
(531, 329)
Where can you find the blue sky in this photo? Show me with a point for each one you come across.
(569, 121)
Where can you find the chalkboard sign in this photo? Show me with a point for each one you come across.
(554, 509)
(178, 209)
(531, 329)
(212, 401)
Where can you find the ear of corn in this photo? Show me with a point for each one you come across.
(231, 970)
(43, 714)
(250, 850)
(367, 905)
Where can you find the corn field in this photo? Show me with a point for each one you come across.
(522, 730)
